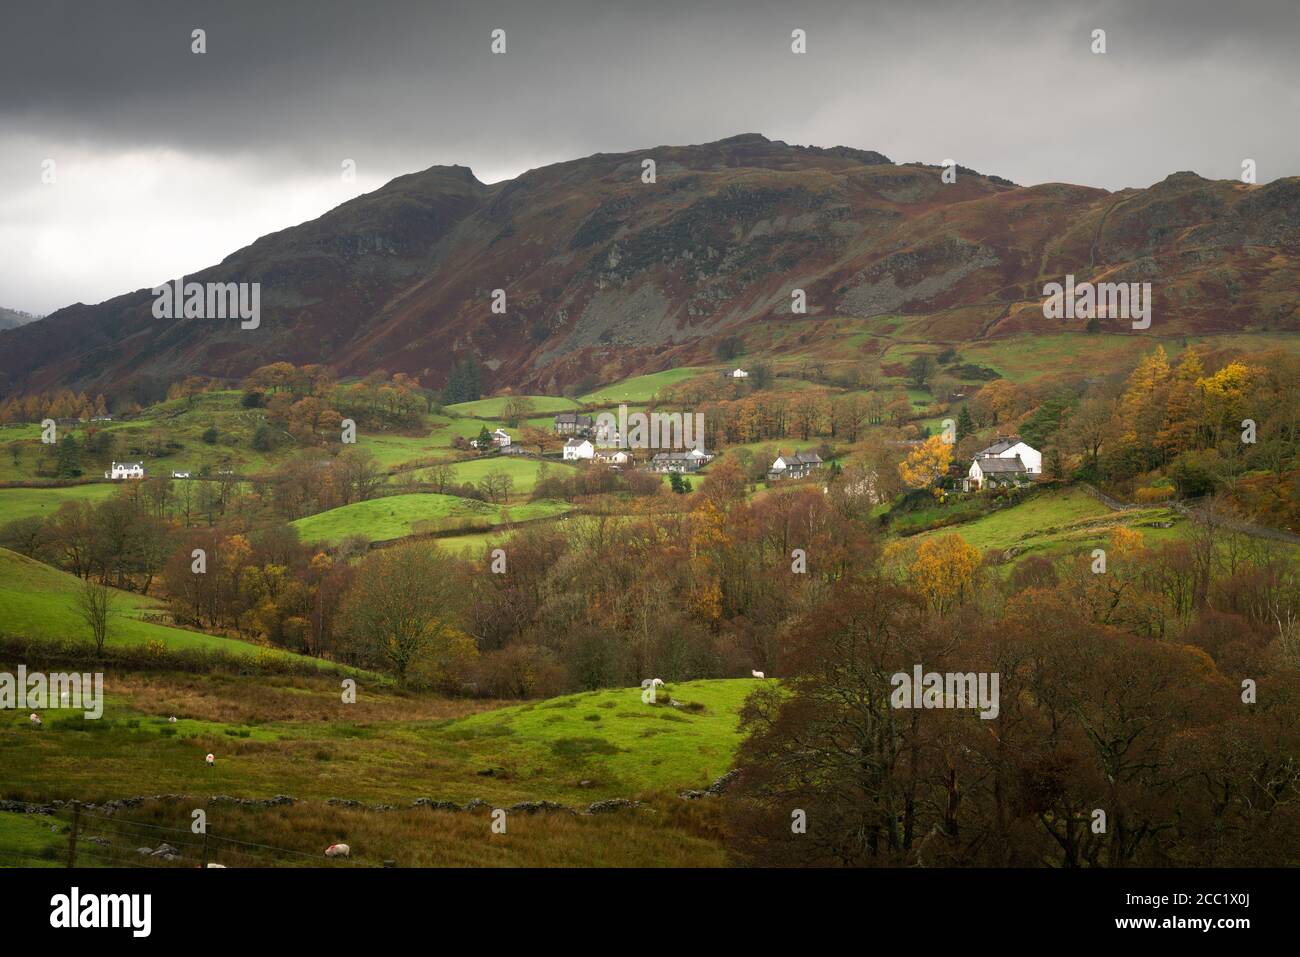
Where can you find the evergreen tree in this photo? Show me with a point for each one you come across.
(464, 382)
(69, 457)
(965, 424)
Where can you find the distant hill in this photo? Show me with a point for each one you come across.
(608, 276)
(13, 318)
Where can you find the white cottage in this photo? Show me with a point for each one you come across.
(125, 470)
(576, 449)
(794, 466)
(1007, 461)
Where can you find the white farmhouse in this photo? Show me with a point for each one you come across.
(576, 449)
(739, 374)
(125, 470)
(794, 466)
(1007, 461)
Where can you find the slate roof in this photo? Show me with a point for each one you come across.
(994, 464)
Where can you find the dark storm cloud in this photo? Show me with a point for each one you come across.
(411, 83)
(169, 160)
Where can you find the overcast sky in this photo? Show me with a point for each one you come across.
(165, 161)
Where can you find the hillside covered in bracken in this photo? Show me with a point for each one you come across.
(607, 276)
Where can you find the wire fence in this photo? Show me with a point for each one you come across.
(89, 838)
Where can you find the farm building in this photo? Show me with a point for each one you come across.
(1006, 462)
(576, 449)
(689, 461)
(571, 423)
(794, 466)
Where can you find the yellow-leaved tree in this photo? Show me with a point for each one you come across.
(944, 571)
(926, 464)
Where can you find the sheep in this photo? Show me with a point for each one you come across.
(338, 850)
(35, 719)
(211, 759)
(758, 674)
(171, 720)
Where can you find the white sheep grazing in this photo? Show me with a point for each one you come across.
(212, 759)
(171, 720)
(35, 719)
(338, 850)
(758, 674)
(657, 682)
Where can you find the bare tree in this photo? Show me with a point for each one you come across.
(95, 603)
(496, 486)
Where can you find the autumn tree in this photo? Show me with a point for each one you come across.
(402, 607)
(926, 464)
(945, 570)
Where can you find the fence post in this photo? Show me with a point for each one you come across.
(72, 836)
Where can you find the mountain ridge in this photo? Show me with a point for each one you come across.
(606, 275)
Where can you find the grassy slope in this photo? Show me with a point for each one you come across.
(391, 449)
(177, 420)
(39, 601)
(493, 408)
(639, 388)
(1059, 522)
(524, 472)
(573, 750)
(23, 502)
(394, 516)
(293, 736)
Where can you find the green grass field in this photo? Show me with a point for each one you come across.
(396, 516)
(494, 407)
(1055, 523)
(611, 737)
(522, 471)
(293, 736)
(390, 449)
(26, 840)
(639, 388)
(38, 601)
(18, 503)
